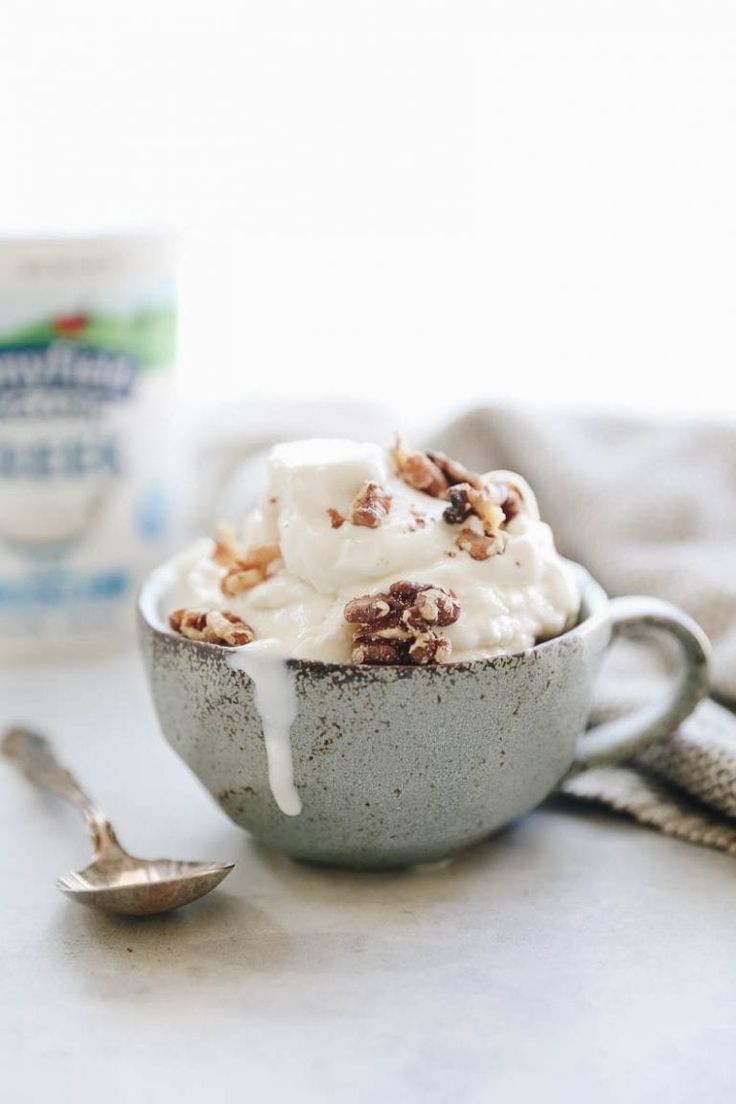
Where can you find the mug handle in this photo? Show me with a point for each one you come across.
(632, 734)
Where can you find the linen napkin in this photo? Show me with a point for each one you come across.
(648, 507)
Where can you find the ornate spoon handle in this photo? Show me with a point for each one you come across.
(33, 756)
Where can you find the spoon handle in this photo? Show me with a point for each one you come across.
(33, 756)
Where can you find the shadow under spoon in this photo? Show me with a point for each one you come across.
(114, 881)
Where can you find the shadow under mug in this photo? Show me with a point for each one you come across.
(401, 765)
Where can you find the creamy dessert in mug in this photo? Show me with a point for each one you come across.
(363, 555)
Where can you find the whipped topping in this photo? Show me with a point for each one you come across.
(507, 602)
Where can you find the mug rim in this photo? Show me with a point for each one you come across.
(593, 612)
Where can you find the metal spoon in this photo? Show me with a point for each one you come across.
(114, 880)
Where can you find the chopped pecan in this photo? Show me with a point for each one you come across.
(431, 472)
(227, 547)
(213, 626)
(430, 648)
(486, 506)
(484, 502)
(228, 628)
(189, 622)
(388, 626)
(370, 505)
(419, 520)
(368, 609)
(432, 606)
(230, 552)
(513, 502)
(453, 470)
(418, 471)
(481, 546)
(262, 555)
(391, 627)
(379, 652)
(252, 569)
(404, 591)
(336, 518)
(240, 578)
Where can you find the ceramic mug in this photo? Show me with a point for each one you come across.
(401, 765)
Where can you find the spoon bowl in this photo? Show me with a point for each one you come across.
(141, 887)
(114, 881)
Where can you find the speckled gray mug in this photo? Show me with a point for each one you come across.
(400, 765)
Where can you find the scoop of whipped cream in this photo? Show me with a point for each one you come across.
(507, 601)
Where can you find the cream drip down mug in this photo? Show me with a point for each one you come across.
(400, 765)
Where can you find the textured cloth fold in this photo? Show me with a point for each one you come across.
(648, 508)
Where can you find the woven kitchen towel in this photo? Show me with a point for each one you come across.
(649, 508)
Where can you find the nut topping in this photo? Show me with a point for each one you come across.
(398, 626)
(370, 505)
(379, 652)
(418, 471)
(239, 579)
(418, 520)
(442, 477)
(336, 518)
(212, 626)
(430, 648)
(368, 609)
(256, 565)
(454, 471)
(484, 502)
(513, 503)
(227, 547)
(432, 606)
(486, 506)
(481, 546)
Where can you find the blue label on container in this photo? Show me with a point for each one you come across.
(64, 587)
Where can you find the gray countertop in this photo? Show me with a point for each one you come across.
(573, 957)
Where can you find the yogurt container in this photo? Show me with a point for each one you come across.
(87, 340)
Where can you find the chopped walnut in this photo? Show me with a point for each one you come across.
(252, 569)
(397, 626)
(336, 518)
(481, 546)
(212, 626)
(371, 505)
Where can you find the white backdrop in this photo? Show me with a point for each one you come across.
(419, 201)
